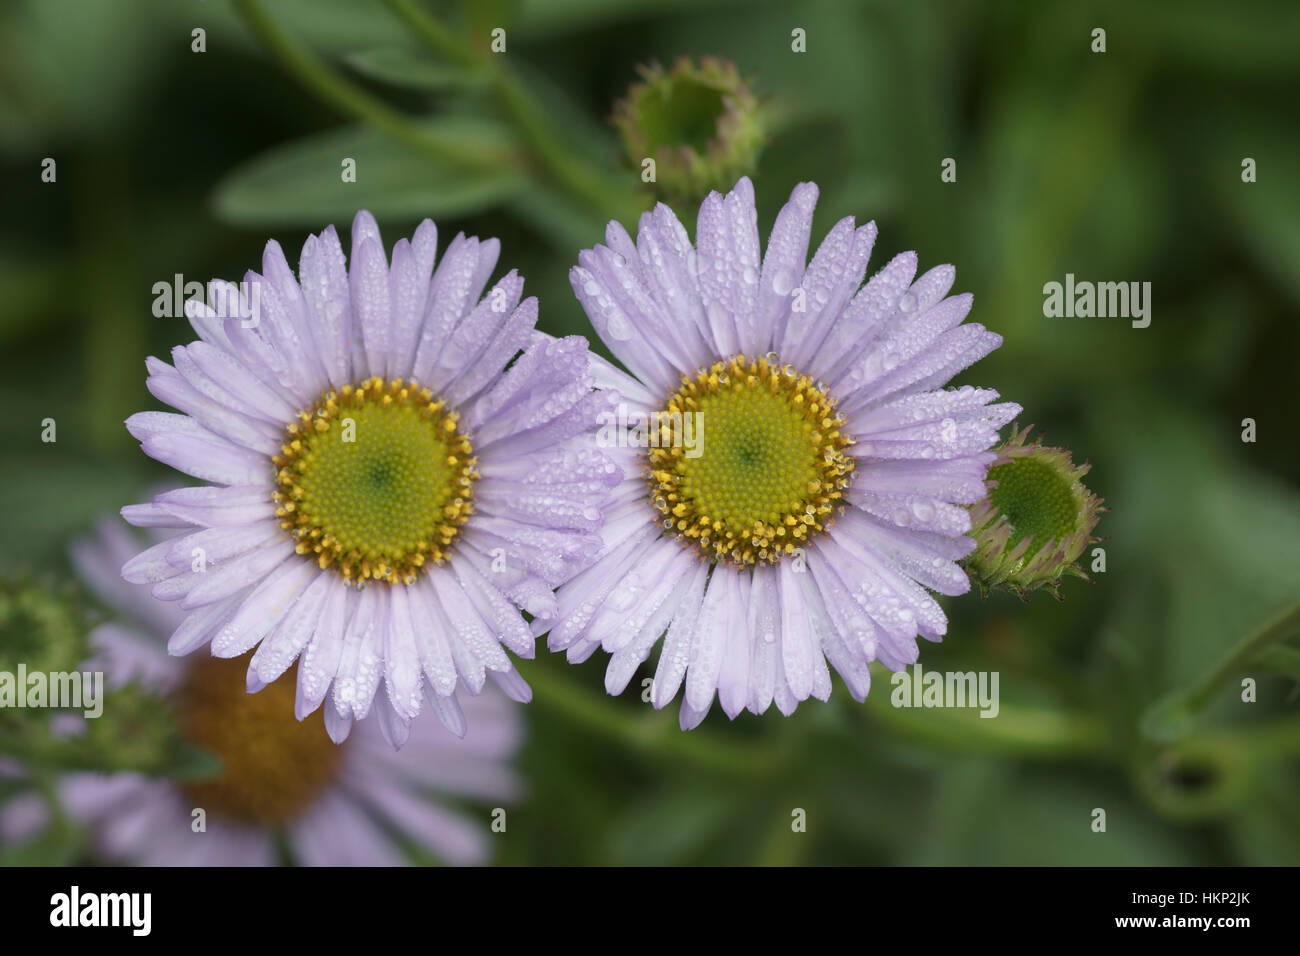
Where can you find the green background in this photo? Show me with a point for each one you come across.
(1122, 166)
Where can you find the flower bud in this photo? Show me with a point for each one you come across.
(691, 129)
(1035, 521)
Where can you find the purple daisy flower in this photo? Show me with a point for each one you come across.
(802, 474)
(396, 463)
(333, 804)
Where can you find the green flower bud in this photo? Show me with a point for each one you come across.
(45, 628)
(40, 627)
(700, 124)
(137, 732)
(1035, 521)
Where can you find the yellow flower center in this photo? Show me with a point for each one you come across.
(273, 766)
(772, 470)
(375, 481)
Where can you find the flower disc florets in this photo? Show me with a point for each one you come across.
(773, 470)
(375, 481)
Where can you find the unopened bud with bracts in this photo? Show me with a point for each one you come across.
(691, 129)
(1035, 522)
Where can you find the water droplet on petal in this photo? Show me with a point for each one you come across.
(623, 596)
(619, 328)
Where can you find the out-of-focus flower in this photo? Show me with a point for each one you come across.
(283, 782)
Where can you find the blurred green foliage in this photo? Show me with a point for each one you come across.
(1122, 166)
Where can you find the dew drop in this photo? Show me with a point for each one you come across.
(619, 328)
(623, 596)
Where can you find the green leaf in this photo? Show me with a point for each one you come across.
(404, 68)
(1044, 817)
(328, 26)
(568, 224)
(1224, 537)
(1280, 659)
(590, 136)
(1212, 37)
(301, 184)
(670, 827)
(56, 845)
(1268, 832)
(1265, 213)
(58, 76)
(1169, 718)
(58, 502)
(551, 17)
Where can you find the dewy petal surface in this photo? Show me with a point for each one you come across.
(777, 568)
(358, 426)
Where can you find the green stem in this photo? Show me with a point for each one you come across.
(1274, 738)
(571, 172)
(1015, 731)
(1278, 628)
(566, 168)
(1173, 714)
(314, 75)
(782, 845)
(1279, 659)
(443, 42)
(653, 732)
